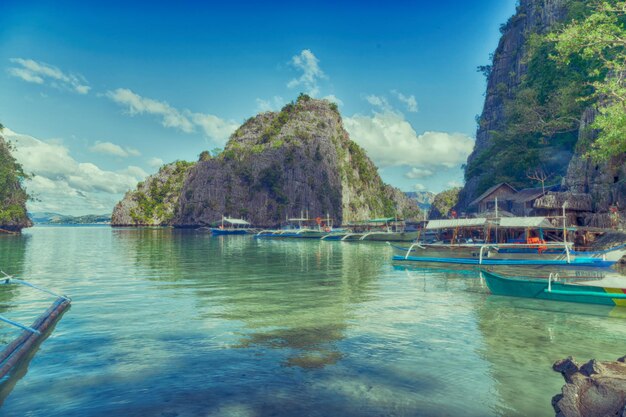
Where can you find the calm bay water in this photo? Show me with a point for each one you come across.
(179, 323)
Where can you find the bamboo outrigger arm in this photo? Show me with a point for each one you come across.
(15, 351)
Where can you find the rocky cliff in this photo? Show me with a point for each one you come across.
(13, 215)
(282, 164)
(505, 77)
(155, 199)
(536, 117)
(604, 183)
(276, 165)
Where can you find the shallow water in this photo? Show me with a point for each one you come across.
(179, 323)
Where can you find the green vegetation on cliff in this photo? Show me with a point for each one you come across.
(443, 202)
(599, 43)
(541, 113)
(12, 196)
(154, 196)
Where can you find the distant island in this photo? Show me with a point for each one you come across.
(56, 218)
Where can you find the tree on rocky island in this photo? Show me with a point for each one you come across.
(444, 202)
(12, 195)
(600, 39)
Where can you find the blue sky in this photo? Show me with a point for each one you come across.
(96, 96)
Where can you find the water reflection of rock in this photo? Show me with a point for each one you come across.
(12, 254)
(522, 338)
(304, 299)
(294, 297)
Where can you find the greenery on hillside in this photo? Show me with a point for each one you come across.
(12, 196)
(154, 197)
(542, 114)
(444, 201)
(599, 43)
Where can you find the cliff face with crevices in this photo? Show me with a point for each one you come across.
(281, 164)
(536, 117)
(155, 199)
(506, 73)
(13, 215)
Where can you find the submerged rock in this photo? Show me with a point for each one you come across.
(595, 389)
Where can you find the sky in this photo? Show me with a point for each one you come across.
(97, 95)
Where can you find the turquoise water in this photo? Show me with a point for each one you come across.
(178, 323)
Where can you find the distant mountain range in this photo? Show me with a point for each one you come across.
(56, 218)
(424, 199)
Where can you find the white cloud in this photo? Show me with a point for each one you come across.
(41, 73)
(415, 173)
(333, 99)
(391, 141)
(308, 63)
(113, 149)
(186, 121)
(378, 101)
(63, 184)
(409, 101)
(454, 184)
(273, 104)
(419, 187)
(155, 162)
(140, 105)
(214, 127)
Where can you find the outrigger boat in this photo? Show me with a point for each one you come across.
(388, 229)
(609, 291)
(302, 228)
(470, 245)
(15, 351)
(232, 227)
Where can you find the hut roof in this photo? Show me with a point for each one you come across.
(556, 200)
(530, 194)
(490, 214)
(452, 223)
(489, 191)
(523, 222)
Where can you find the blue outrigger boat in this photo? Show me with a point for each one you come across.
(527, 251)
(610, 291)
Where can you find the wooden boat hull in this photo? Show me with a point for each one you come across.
(578, 262)
(556, 291)
(390, 236)
(219, 232)
(470, 254)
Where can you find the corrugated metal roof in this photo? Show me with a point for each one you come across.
(452, 223)
(235, 221)
(525, 222)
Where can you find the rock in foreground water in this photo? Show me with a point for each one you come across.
(595, 389)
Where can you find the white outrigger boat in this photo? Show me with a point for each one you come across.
(478, 242)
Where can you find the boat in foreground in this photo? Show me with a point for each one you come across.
(18, 349)
(609, 291)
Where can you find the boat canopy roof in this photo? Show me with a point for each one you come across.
(523, 222)
(235, 221)
(382, 220)
(453, 223)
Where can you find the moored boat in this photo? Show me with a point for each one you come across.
(525, 241)
(605, 291)
(301, 228)
(231, 226)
